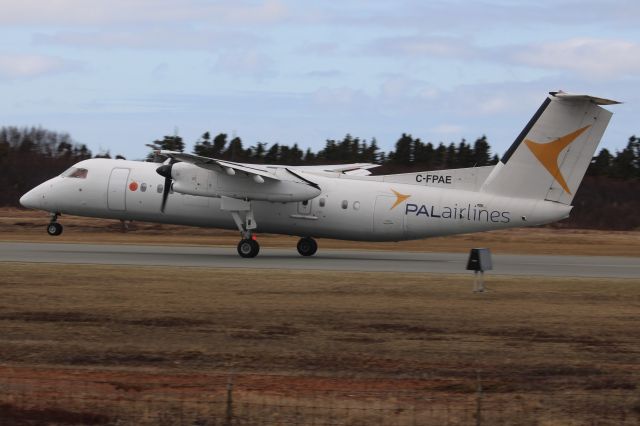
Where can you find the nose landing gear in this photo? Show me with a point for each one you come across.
(307, 246)
(54, 228)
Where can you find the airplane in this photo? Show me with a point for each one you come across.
(533, 184)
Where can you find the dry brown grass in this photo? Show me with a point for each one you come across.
(566, 342)
(293, 321)
(27, 225)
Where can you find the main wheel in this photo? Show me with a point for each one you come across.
(54, 228)
(248, 248)
(307, 246)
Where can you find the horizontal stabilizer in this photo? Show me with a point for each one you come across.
(598, 101)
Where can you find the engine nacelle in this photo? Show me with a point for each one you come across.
(193, 180)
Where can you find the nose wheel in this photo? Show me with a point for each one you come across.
(307, 246)
(248, 248)
(54, 229)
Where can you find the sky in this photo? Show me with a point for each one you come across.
(118, 74)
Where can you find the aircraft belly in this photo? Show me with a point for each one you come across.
(328, 221)
(190, 211)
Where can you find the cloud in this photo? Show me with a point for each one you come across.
(397, 87)
(160, 70)
(31, 66)
(448, 129)
(340, 96)
(494, 104)
(470, 17)
(268, 12)
(319, 48)
(152, 38)
(140, 12)
(590, 57)
(421, 46)
(243, 63)
(324, 74)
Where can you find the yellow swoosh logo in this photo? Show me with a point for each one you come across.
(548, 153)
(399, 198)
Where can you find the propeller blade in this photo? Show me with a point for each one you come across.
(165, 171)
(165, 193)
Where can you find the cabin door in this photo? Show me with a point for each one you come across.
(388, 221)
(117, 189)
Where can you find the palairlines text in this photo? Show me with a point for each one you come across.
(473, 214)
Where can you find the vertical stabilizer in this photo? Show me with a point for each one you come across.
(550, 156)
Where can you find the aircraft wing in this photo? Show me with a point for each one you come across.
(228, 167)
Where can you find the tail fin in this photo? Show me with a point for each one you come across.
(550, 156)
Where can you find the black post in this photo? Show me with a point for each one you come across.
(479, 402)
(229, 413)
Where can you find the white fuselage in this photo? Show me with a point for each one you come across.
(350, 208)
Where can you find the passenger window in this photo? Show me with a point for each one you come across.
(76, 172)
(143, 187)
(345, 204)
(160, 188)
(322, 201)
(356, 205)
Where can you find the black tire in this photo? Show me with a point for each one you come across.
(54, 229)
(307, 246)
(248, 248)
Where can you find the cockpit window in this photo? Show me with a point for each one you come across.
(76, 172)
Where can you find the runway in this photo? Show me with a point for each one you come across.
(325, 259)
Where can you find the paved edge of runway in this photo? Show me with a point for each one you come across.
(328, 259)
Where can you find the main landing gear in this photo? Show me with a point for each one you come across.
(54, 228)
(307, 246)
(248, 247)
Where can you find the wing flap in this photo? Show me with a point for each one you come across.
(338, 168)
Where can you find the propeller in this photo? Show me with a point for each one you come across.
(165, 171)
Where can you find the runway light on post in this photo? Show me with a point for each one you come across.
(479, 261)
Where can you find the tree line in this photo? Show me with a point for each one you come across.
(608, 197)
(29, 156)
(409, 154)
(624, 164)
(408, 151)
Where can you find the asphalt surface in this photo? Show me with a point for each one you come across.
(325, 259)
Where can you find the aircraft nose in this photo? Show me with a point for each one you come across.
(30, 200)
